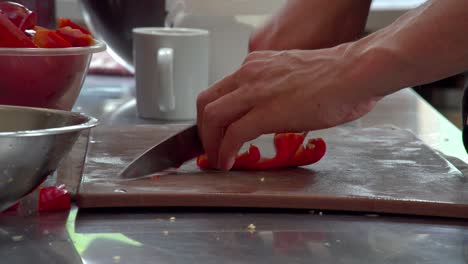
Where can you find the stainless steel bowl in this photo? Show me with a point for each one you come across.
(33, 141)
(113, 21)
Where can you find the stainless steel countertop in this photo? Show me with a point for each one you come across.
(221, 235)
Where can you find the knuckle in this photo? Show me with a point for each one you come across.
(249, 69)
(202, 99)
(252, 56)
(211, 114)
(233, 129)
(257, 55)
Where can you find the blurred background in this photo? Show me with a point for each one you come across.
(445, 95)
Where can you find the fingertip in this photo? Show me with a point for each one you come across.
(228, 153)
(227, 165)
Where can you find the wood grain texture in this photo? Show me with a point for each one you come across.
(381, 170)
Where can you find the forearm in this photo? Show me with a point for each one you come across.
(313, 24)
(425, 45)
(345, 20)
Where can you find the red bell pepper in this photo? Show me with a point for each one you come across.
(22, 17)
(75, 36)
(246, 159)
(11, 36)
(54, 198)
(286, 145)
(46, 38)
(289, 153)
(242, 161)
(65, 22)
(310, 153)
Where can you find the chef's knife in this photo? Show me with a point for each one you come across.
(171, 153)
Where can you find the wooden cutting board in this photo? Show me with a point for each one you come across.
(381, 170)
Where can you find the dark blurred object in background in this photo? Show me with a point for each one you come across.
(45, 10)
(113, 21)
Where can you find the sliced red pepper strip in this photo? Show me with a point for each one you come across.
(75, 37)
(12, 36)
(252, 155)
(247, 158)
(46, 38)
(22, 17)
(286, 145)
(54, 198)
(65, 22)
(310, 153)
(289, 153)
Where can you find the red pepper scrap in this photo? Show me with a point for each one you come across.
(51, 198)
(290, 152)
(54, 198)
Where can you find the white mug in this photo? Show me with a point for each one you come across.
(171, 69)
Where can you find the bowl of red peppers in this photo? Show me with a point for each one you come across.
(42, 67)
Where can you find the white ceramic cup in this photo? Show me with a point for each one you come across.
(171, 69)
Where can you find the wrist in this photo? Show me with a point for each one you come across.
(379, 66)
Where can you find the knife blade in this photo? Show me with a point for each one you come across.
(170, 153)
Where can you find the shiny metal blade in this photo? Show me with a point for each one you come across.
(171, 153)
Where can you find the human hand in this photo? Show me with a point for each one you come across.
(312, 24)
(275, 92)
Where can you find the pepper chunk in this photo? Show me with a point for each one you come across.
(46, 38)
(75, 36)
(12, 36)
(290, 152)
(54, 198)
(65, 22)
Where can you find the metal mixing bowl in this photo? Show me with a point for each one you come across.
(113, 21)
(32, 143)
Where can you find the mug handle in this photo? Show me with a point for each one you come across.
(166, 99)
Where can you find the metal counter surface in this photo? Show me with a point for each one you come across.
(221, 235)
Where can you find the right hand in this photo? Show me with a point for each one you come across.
(312, 24)
(283, 91)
